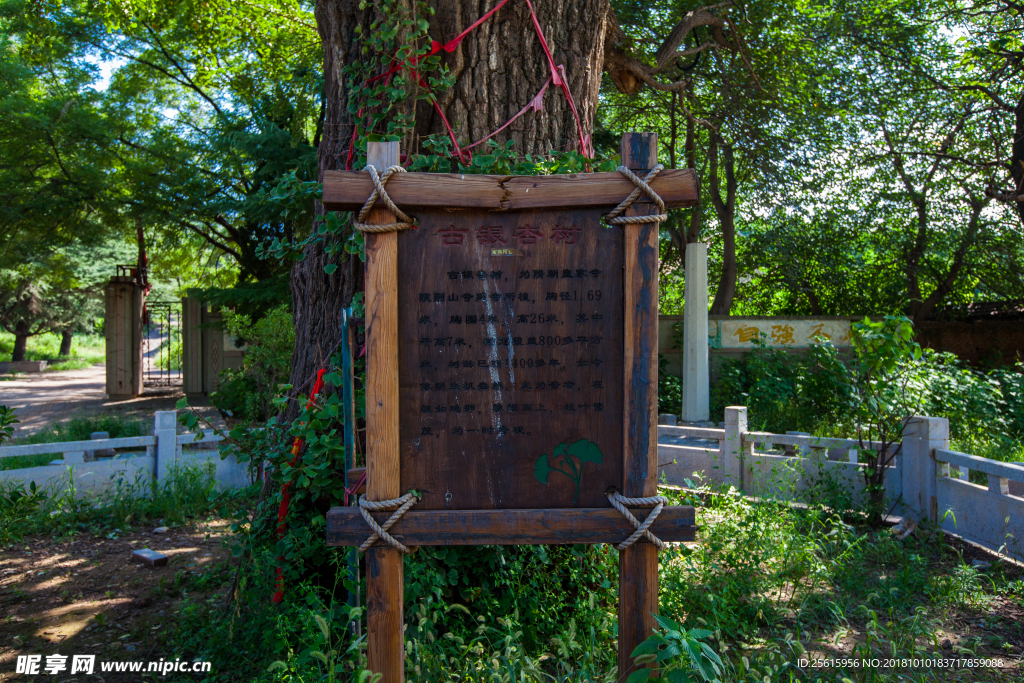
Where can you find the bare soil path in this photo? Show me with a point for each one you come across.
(86, 596)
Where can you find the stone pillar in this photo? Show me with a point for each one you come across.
(192, 346)
(213, 349)
(732, 447)
(166, 435)
(122, 325)
(696, 384)
(919, 471)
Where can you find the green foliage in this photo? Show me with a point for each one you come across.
(811, 392)
(58, 508)
(678, 653)
(79, 427)
(16, 505)
(7, 421)
(249, 392)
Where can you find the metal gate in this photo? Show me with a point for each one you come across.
(161, 354)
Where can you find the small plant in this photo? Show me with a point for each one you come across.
(7, 421)
(678, 653)
(16, 505)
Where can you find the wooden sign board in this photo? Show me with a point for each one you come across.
(510, 359)
(511, 345)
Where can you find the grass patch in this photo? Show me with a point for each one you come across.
(80, 428)
(86, 349)
(72, 364)
(188, 493)
(17, 462)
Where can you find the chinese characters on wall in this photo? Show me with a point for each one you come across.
(775, 332)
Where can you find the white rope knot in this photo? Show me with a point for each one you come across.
(405, 223)
(619, 502)
(399, 505)
(641, 187)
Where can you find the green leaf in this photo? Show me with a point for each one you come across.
(639, 676)
(649, 646)
(541, 469)
(668, 624)
(330, 268)
(586, 451)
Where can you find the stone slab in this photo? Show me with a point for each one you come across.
(150, 557)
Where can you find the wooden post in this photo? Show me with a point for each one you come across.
(638, 564)
(384, 565)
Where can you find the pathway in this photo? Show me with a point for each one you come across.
(45, 398)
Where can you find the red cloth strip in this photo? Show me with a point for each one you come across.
(557, 77)
(286, 496)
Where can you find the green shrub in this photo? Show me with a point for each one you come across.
(819, 392)
(783, 391)
(249, 392)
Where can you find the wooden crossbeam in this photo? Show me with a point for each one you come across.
(346, 527)
(348, 190)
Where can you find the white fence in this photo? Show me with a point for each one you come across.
(918, 484)
(162, 452)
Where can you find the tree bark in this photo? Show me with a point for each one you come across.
(726, 211)
(20, 341)
(498, 69)
(65, 343)
(1017, 155)
(501, 66)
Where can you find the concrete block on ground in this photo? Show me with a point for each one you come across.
(22, 366)
(667, 419)
(150, 557)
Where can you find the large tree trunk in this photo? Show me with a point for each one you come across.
(20, 341)
(65, 343)
(498, 69)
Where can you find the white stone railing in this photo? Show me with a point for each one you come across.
(162, 452)
(917, 482)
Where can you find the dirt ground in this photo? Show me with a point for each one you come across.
(85, 595)
(993, 633)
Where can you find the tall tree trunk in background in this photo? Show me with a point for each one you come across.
(696, 212)
(65, 343)
(20, 340)
(726, 211)
(498, 69)
(1017, 155)
(692, 234)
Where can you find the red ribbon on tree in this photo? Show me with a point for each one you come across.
(286, 497)
(536, 104)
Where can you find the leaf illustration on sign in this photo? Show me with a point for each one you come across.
(568, 459)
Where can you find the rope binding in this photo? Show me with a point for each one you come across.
(641, 187)
(619, 502)
(404, 222)
(399, 505)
